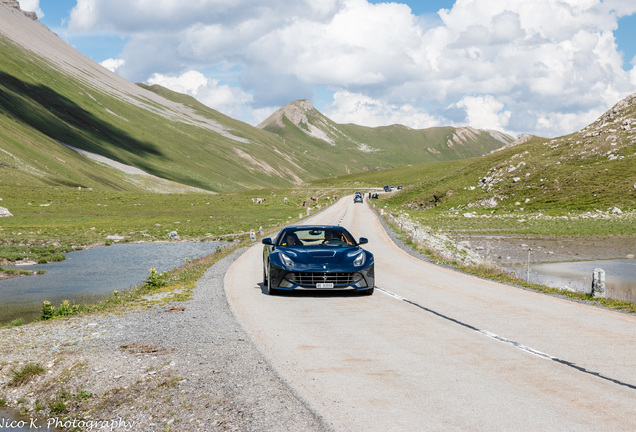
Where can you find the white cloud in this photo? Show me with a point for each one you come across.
(365, 111)
(551, 63)
(228, 100)
(113, 64)
(189, 82)
(484, 112)
(32, 6)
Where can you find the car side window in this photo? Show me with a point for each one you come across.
(290, 239)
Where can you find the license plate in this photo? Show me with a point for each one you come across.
(324, 285)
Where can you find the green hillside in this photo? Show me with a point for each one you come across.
(582, 183)
(42, 109)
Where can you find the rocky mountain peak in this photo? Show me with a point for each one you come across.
(296, 112)
(14, 4)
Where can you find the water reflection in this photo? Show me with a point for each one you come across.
(562, 262)
(577, 276)
(14, 422)
(93, 274)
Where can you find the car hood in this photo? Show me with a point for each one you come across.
(330, 256)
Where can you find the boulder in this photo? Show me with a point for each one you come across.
(5, 212)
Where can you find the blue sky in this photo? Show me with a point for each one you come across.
(547, 67)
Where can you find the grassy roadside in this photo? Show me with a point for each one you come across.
(52, 380)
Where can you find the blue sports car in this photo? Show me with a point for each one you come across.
(316, 257)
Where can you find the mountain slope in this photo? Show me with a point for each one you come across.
(398, 144)
(54, 99)
(55, 96)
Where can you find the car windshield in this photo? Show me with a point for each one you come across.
(309, 237)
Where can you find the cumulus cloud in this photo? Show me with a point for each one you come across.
(484, 112)
(365, 111)
(32, 6)
(228, 100)
(544, 67)
(113, 64)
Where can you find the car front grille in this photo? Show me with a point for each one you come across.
(310, 279)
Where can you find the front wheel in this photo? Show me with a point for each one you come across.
(268, 284)
(367, 292)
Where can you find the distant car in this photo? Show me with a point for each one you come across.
(387, 189)
(399, 187)
(317, 257)
(357, 199)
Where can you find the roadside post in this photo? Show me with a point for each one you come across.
(598, 282)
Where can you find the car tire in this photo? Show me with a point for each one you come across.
(367, 292)
(268, 286)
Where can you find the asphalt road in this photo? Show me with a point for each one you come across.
(434, 349)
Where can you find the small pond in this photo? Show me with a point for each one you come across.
(563, 262)
(620, 276)
(92, 274)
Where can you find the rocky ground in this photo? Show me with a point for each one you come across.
(513, 249)
(185, 367)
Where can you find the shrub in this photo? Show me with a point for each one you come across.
(47, 310)
(156, 280)
(65, 309)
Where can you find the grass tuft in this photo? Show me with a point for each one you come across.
(25, 374)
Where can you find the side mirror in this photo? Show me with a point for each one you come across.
(363, 240)
(268, 241)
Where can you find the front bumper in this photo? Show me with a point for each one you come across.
(360, 279)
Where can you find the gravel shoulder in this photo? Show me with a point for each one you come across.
(186, 366)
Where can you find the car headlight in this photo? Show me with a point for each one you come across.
(359, 260)
(286, 260)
